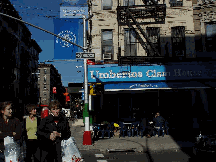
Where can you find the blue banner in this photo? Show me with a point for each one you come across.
(71, 29)
(172, 71)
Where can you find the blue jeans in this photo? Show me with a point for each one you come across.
(2, 157)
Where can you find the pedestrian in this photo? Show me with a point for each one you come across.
(30, 125)
(9, 126)
(52, 130)
(158, 120)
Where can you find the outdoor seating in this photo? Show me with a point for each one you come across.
(142, 129)
(123, 129)
(166, 128)
(159, 129)
(135, 128)
(109, 130)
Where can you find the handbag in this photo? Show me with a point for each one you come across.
(70, 152)
(12, 150)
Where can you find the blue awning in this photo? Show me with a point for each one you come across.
(154, 85)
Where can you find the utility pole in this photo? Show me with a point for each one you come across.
(87, 134)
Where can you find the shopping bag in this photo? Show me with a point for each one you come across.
(70, 152)
(12, 150)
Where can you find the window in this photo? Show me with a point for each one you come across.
(210, 37)
(44, 94)
(129, 2)
(106, 4)
(38, 86)
(178, 41)
(45, 78)
(176, 3)
(45, 71)
(45, 86)
(153, 33)
(38, 78)
(38, 70)
(107, 44)
(130, 47)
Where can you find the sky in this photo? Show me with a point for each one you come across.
(35, 12)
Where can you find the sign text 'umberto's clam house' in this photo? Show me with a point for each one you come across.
(130, 90)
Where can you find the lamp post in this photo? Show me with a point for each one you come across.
(87, 133)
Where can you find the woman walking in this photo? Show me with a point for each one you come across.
(9, 126)
(52, 130)
(30, 125)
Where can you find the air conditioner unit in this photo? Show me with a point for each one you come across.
(107, 56)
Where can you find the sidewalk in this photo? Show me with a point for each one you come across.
(154, 144)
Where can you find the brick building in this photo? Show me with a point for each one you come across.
(48, 77)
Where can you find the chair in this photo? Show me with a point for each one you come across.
(109, 130)
(135, 128)
(161, 128)
(123, 129)
(142, 129)
(166, 127)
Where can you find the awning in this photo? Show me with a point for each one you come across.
(154, 85)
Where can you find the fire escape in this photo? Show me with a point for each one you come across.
(133, 16)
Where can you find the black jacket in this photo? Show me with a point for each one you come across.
(46, 127)
(13, 125)
(158, 121)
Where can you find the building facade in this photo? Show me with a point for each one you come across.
(205, 27)
(19, 61)
(114, 35)
(48, 77)
(161, 59)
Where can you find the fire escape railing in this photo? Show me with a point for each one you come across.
(128, 15)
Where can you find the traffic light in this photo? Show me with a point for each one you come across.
(96, 89)
(99, 88)
(92, 90)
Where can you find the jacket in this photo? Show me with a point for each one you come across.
(158, 121)
(49, 147)
(13, 125)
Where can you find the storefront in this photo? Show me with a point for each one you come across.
(177, 90)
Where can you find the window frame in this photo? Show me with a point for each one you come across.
(151, 34)
(102, 5)
(207, 42)
(176, 3)
(108, 45)
(45, 70)
(128, 1)
(178, 43)
(129, 42)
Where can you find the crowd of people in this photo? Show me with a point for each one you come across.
(42, 136)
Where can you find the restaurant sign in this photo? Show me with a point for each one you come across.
(184, 71)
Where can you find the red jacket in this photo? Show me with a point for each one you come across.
(13, 125)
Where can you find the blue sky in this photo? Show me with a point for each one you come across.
(35, 12)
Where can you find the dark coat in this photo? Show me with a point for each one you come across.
(13, 125)
(159, 120)
(52, 149)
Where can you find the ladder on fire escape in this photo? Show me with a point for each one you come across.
(131, 13)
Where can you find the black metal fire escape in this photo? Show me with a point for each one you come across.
(134, 16)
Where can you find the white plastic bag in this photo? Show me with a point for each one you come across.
(11, 151)
(70, 152)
